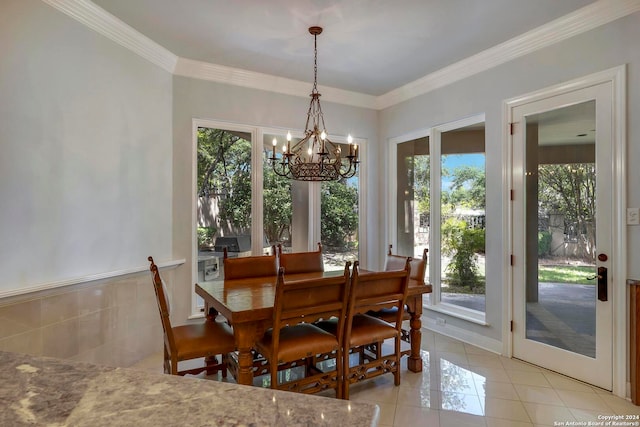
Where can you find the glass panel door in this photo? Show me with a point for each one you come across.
(561, 230)
(562, 208)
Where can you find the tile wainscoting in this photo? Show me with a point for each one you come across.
(111, 322)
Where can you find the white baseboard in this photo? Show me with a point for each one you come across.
(464, 335)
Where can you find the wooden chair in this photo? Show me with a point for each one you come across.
(301, 262)
(418, 268)
(294, 337)
(418, 265)
(250, 266)
(192, 341)
(373, 292)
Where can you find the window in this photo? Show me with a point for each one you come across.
(439, 196)
(462, 217)
(339, 201)
(228, 168)
(277, 199)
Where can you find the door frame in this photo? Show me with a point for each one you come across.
(617, 76)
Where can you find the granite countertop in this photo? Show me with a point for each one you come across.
(52, 392)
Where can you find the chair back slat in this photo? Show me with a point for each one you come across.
(418, 266)
(309, 300)
(301, 262)
(375, 291)
(394, 262)
(251, 266)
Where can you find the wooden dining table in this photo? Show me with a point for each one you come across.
(248, 305)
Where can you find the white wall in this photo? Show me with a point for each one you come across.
(596, 50)
(219, 102)
(85, 151)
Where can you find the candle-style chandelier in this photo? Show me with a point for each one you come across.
(314, 157)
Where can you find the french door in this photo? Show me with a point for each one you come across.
(562, 231)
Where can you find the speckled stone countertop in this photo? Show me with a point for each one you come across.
(51, 392)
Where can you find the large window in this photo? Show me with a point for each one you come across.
(238, 196)
(439, 197)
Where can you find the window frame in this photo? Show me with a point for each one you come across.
(257, 213)
(433, 302)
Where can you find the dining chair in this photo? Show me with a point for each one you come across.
(418, 268)
(294, 337)
(192, 341)
(418, 265)
(250, 266)
(301, 262)
(373, 292)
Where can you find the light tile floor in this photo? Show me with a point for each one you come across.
(462, 385)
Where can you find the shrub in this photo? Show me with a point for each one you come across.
(544, 243)
(205, 236)
(463, 244)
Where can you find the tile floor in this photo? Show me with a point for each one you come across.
(462, 385)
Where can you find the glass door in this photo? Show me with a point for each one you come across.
(562, 234)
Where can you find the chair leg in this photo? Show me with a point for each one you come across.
(273, 366)
(345, 377)
(225, 359)
(396, 374)
(174, 365)
(167, 363)
(339, 375)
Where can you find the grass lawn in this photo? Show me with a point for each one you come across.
(576, 275)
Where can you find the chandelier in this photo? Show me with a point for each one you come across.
(315, 157)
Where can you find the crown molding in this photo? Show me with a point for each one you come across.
(238, 77)
(99, 20)
(587, 18)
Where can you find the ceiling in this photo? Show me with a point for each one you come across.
(368, 46)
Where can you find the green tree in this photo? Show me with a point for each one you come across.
(421, 182)
(570, 189)
(468, 186)
(339, 219)
(277, 205)
(224, 171)
(460, 241)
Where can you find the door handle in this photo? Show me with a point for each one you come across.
(602, 283)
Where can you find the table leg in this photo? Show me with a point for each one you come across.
(245, 335)
(414, 307)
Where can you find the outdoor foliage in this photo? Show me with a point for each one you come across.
(544, 243)
(224, 173)
(566, 274)
(463, 244)
(421, 168)
(206, 236)
(277, 206)
(460, 240)
(339, 220)
(570, 189)
(467, 188)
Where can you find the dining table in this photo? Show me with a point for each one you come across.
(247, 304)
